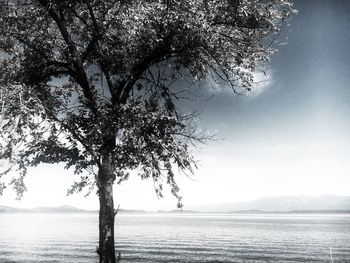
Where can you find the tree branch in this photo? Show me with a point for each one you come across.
(76, 61)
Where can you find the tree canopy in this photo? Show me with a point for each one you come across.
(84, 79)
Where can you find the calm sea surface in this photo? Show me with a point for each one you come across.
(66, 238)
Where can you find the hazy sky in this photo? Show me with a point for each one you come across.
(291, 138)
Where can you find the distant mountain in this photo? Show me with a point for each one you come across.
(61, 209)
(283, 204)
(8, 209)
(300, 204)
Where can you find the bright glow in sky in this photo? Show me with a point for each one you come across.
(291, 138)
(230, 172)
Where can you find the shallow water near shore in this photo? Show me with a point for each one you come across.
(29, 238)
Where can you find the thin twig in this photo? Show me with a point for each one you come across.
(116, 210)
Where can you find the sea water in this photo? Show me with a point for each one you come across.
(148, 238)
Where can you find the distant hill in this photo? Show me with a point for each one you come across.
(283, 204)
(60, 209)
(295, 204)
(8, 209)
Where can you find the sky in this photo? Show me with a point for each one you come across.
(290, 138)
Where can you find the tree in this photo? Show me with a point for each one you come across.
(95, 84)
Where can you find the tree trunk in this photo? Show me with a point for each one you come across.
(106, 249)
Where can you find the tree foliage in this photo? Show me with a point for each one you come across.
(82, 82)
